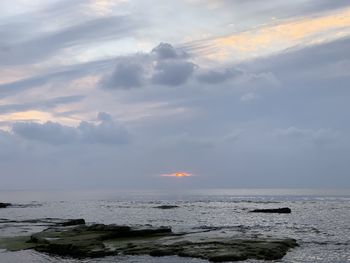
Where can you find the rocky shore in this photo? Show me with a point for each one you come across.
(74, 238)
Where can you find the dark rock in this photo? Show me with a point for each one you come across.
(105, 240)
(284, 210)
(74, 222)
(4, 205)
(166, 206)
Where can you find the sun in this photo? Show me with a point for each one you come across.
(178, 174)
(182, 174)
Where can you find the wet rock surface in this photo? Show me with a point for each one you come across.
(283, 210)
(4, 205)
(166, 206)
(98, 240)
(74, 222)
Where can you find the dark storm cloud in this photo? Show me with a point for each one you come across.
(107, 131)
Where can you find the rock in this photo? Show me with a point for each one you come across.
(4, 205)
(166, 206)
(87, 241)
(74, 222)
(284, 210)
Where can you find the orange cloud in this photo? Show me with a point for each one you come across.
(177, 174)
(27, 116)
(36, 116)
(278, 36)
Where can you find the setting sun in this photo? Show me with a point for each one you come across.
(177, 174)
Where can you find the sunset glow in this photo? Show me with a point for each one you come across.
(178, 174)
(269, 38)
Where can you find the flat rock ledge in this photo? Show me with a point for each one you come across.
(4, 205)
(283, 210)
(86, 241)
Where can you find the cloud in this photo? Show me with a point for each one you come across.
(249, 96)
(218, 76)
(46, 44)
(61, 75)
(185, 140)
(8, 145)
(177, 129)
(49, 132)
(164, 65)
(314, 67)
(127, 73)
(41, 104)
(319, 136)
(275, 36)
(172, 73)
(107, 131)
(167, 51)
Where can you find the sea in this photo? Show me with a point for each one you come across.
(320, 219)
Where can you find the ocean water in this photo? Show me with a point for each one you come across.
(320, 219)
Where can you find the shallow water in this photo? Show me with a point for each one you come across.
(320, 219)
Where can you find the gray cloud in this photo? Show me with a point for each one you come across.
(172, 73)
(281, 9)
(250, 96)
(164, 65)
(61, 76)
(48, 44)
(167, 51)
(319, 136)
(295, 134)
(106, 132)
(185, 140)
(41, 105)
(129, 72)
(218, 76)
(49, 132)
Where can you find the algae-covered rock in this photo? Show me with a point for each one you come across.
(100, 240)
(283, 210)
(74, 222)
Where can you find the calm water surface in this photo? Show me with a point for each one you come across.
(320, 219)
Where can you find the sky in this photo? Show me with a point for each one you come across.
(141, 94)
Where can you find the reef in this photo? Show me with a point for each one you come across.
(78, 240)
